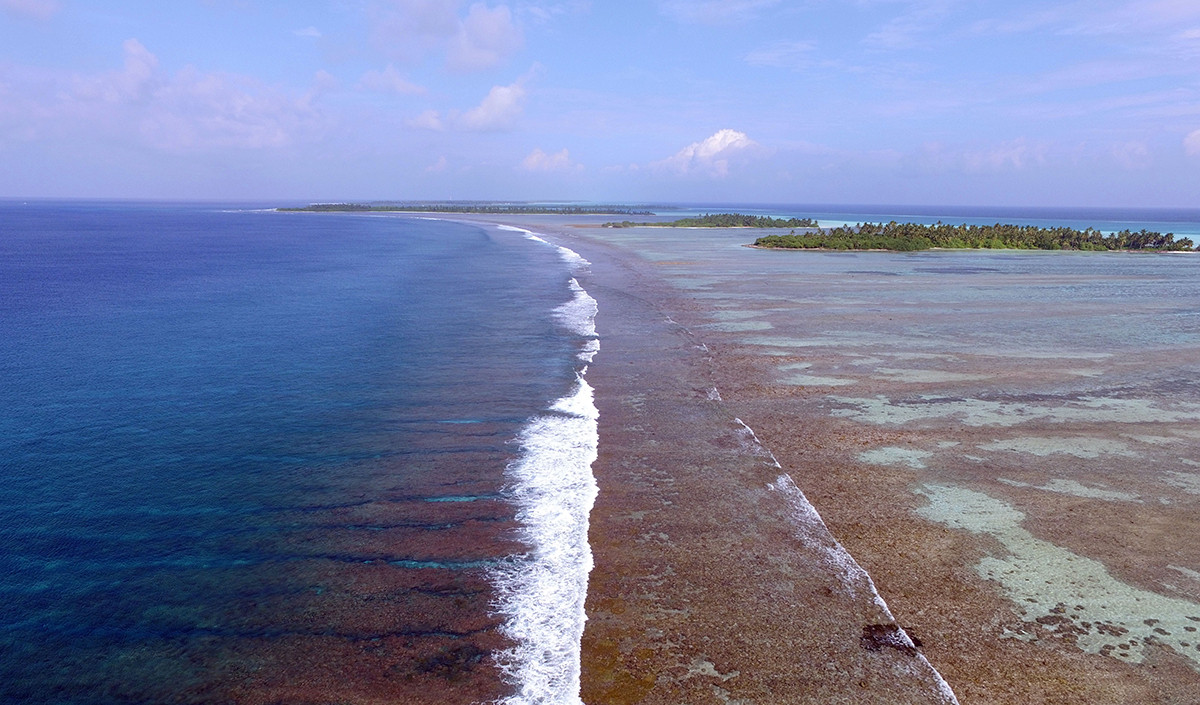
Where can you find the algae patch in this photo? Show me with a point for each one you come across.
(1068, 595)
(912, 458)
(915, 376)
(1076, 489)
(882, 411)
(1084, 447)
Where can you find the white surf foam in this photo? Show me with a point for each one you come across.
(570, 256)
(541, 595)
(813, 532)
(579, 314)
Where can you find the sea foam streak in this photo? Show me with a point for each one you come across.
(541, 595)
(813, 532)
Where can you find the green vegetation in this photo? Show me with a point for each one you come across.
(486, 208)
(907, 237)
(723, 220)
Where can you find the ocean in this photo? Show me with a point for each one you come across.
(248, 456)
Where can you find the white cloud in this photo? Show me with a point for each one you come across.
(30, 9)
(132, 83)
(1191, 143)
(410, 30)
(389, 80)
(712, 156)
(308, 33)
(439, 166)
(540, 161)
(484, 39)
(428, 120)
(198, 111)
(499, 110)
(714, 11)
(143, 106)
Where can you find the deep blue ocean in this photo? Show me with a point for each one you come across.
(249, 456)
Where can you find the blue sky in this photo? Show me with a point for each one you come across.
(973, 102)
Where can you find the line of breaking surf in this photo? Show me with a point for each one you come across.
(814, 533)
(541, 595)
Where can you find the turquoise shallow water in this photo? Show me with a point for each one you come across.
(230, 440)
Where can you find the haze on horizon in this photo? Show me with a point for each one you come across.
(951, 102)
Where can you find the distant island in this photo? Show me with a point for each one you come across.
(484, 208)
(722, 220)
(908, 237)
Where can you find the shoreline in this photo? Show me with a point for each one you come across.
(752, 246)
(711, 582)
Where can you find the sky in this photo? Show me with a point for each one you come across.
(923, 102)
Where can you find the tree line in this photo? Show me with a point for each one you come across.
(907, 237)
(723, 220)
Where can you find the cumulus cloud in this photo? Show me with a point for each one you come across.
(712, 156)
(1191, 143)
(540, 161)
(484, 39)
(499, 110)
(389, 80)
(714, 11)
(30, 9)
(410, 30)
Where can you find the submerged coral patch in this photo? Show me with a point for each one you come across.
(1005, 412)
(1086, 447)
(1066, 594)
(913, 458)
(1077, 489)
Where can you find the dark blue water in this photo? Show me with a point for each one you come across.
(251, 456)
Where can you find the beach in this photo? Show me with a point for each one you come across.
(1003, 442)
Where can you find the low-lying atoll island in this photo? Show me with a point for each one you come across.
(722, 220)
(466, 207)
(908, 237)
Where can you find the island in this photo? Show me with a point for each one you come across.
(723, 220)
(908, 237)
(466, 207)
